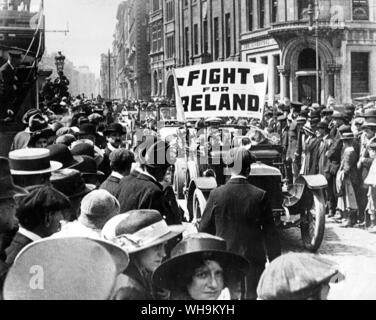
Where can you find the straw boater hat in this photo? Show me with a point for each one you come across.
(32, 161)
(140, 229)
(7, 188)
(72, 268)
(295, 276)
(195, 247)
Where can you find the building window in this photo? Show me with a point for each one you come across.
(360, 10)
(170, 10)
(206, 37)
(228, 34)
(186, 46)
(302, 8)
(359, 72)
(195, 36)
(157, 38)
(277, 78)
(170, 46)
(264, 60)
(273, 10)
(250, 14)
(253, 60)
(216, 38)
(261, 10)
(155, 5)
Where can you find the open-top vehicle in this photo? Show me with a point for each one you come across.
(302, 204)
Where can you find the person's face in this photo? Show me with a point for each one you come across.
(115, 139)
(8, 220)
(41, 143)
(152, 258)
(369, 133)
(207, 282)
(372, 153)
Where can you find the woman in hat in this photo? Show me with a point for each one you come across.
(348, 181)
(200, 268)
(144, 234)
(297, 276)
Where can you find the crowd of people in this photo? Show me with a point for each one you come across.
(80, 200)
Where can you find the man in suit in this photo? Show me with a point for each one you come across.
(39, 215)
(241, 214)
(142, 189)
(9, 85)
(121, 163)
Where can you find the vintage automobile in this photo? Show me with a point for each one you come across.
(302, 204)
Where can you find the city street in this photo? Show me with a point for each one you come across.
(353, 249)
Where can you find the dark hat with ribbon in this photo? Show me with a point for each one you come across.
(197, 248)
(31, 112)
(7, 188)
(37, 123)
(88, 167)
(83, 149)
(70, 183)
(138, 230)
(60, 152)
(32, 162)
(115, 128)
(327, 112)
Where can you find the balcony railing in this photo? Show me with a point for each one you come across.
(302, 25)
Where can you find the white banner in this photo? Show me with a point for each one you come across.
(222, 89)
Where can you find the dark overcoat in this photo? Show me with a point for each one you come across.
(111, 185)
(18, 243)
(139, 191)
(240, 213)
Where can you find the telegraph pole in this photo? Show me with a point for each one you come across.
(317, 13)
(109, 74)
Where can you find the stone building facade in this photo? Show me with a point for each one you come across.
(283, 33)
(131, 47)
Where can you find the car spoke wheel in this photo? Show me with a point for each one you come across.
(313, 220)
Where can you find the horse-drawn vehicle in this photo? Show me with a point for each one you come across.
(203, 168)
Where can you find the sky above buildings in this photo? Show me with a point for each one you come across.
(91, 26)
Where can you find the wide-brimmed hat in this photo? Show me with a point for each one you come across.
(60, 152)
(71, 268)
(344, 129)
(200, 246)
(369, 123)
(37, 123)
(70, 183)
(7, 188)
(32, 161)
(294, 276)
(370, 113)
(327, 112)
(114, 128)
(97, 208)
(140, 230)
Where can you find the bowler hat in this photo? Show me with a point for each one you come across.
(70, 183)
(294, 276)
(338, 115)
(327, 111)
(88, 167)
(87, 129)
(97, 208)
(7, 188)
(83, 149)
(60, 152)
(140, 230)
(158, 155)
(71, 268)
(197, 247)
(369, 123)
(66, 139)
(32, 161)
(344, 129)
(114, 128)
